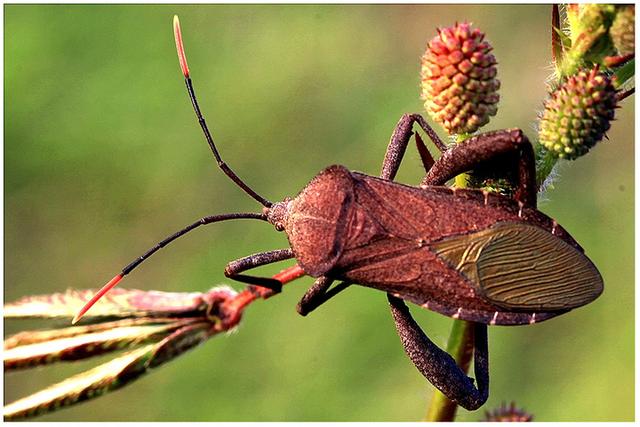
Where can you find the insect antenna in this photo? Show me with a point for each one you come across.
(131, 266)
(192, 95)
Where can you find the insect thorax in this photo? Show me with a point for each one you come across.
(317, 217)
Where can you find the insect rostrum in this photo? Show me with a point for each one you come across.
(467, 254)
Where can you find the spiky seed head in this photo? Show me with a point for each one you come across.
(459, 84)
(622, 30)
(506, 413)
(577, 114)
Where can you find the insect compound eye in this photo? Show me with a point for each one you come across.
(277, 214)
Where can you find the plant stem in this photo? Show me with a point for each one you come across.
(460, 181)
(460, 347)
(545, 163)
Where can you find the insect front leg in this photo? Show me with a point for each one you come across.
(482, 149)
(233, 269)
(318, 294)
(399, 141)
(438, 366)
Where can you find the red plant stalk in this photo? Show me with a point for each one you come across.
(231, 310)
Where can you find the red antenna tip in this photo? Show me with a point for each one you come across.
(106, 288)
(177, 33)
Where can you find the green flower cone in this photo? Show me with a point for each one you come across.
(577, 114)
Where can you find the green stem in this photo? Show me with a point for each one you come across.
(460, 347)
(460, 181)
(545, 163)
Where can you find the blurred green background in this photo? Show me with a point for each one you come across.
(103, 157)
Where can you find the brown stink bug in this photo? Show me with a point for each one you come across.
(467, 254)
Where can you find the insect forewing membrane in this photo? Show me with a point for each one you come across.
(521, 266)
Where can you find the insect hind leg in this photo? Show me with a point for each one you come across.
(438, 366)
(488, 149)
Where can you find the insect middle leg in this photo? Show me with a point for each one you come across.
(234, 268)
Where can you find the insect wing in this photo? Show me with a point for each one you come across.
(520, 266)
